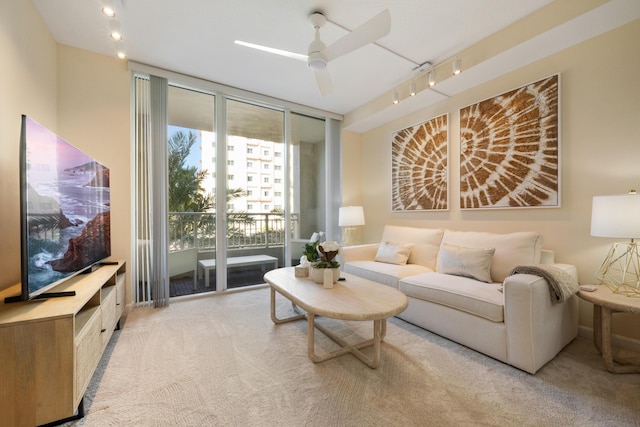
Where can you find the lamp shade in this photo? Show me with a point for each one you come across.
(350, 216)
(616, 216)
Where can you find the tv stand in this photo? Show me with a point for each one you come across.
(45, 295)
(50, 350)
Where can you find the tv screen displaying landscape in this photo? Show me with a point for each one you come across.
(65, 209)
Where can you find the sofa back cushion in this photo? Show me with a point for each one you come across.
(512, 249)
(426, 242)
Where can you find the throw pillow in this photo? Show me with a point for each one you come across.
(467, 262)
(394, 253)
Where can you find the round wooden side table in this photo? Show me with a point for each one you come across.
(605, 303)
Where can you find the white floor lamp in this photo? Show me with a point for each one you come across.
(619, 216)
(350, 217)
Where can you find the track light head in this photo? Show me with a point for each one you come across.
(431, 79)
(456, 67)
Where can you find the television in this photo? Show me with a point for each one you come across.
(65, 212)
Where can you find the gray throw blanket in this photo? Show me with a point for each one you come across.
(561, 284)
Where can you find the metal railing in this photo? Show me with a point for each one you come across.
(188, 230)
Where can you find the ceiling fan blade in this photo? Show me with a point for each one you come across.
(323, 80)
(280, 52)
(375, 28)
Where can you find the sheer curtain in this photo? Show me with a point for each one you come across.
(151, 274)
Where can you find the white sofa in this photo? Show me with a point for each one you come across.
(512, 318)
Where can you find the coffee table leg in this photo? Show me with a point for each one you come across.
(274, 317)
(378, 327)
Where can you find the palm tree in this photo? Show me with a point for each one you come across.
(186, 193)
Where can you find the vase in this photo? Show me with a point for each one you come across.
(317, 274)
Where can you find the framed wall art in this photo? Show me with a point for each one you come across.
(509, 149)
(419, 167)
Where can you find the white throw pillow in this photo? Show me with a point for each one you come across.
(394, 253)
(426, 242)
(467, 262)
(512, 249)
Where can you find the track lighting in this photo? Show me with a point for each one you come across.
(456, 67)
(395, 96)
(412, 88)
(430, 78)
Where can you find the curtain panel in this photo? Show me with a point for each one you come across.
(151, 275)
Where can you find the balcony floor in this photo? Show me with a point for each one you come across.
(236, 278)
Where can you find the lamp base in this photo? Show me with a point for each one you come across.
(620, 270)
(350, 236)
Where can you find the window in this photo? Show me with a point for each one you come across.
(265, 180)
(249, 206)
(249, 192)
(278, 180)
(265, 152)
(266, 193)
(277, 167)
(230, 147)
(278, 193)
(265, 208)
(229, 162)
(249, 150)
(230, 177)
(265, 166)
(249, 164)
(249, 178)
(277, 154)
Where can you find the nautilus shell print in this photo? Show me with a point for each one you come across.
(419, 173)
(509, 149)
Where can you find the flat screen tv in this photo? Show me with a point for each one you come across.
(64, 211)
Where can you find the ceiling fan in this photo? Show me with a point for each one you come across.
(320, 55)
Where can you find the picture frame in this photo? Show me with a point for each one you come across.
(510, 149)
(420, 166)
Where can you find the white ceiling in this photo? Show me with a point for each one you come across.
(196, 38)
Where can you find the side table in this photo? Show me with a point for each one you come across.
(605, 303)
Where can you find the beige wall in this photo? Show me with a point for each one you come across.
(600, 152)
(81, 96)
(28, 72)
(93, 115)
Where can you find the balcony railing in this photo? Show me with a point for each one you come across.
(188, 230)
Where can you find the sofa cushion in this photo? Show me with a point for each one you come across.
(393, 253)
(468, 262)
(426, 242)
(468, 295)
(387, 274)
(520, 248)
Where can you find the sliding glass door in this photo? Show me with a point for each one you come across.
(255, 192)
(226, 188)
(191, 187)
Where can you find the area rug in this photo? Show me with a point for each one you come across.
(218, 360)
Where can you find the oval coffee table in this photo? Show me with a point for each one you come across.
(354, 298)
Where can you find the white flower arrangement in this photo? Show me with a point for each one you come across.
(328, 251)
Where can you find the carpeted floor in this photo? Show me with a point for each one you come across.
(218, 360)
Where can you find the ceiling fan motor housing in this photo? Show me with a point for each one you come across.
(316, 57)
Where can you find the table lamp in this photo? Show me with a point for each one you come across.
(619, 216)
(350, 217)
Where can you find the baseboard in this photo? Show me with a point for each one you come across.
(618, 340)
